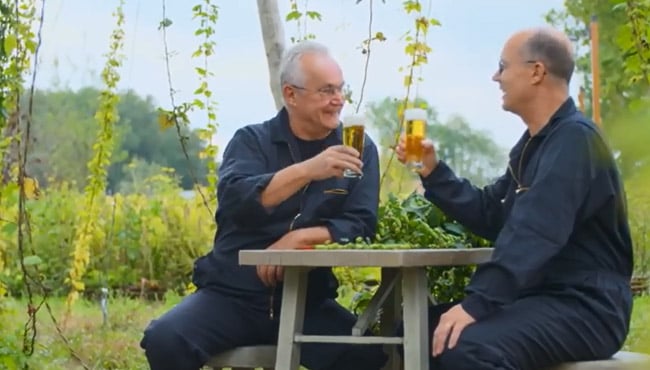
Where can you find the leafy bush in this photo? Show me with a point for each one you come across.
(143, 242)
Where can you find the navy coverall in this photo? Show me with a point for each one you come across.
(557, 287)
(232, 307)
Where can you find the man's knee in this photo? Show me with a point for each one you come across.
(473, 355)
(162, 344)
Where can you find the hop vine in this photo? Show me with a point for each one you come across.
(17, 47)
(178, 115)
(301, 17)
(417, 50)
(207, 14)
(106, 117)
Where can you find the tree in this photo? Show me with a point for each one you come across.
(624, 59)
(64, 130)
(472, 154)
(273, 34)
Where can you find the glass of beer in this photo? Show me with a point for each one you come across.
(415, 124)
(354, 135)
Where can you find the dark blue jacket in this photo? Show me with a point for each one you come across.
(347, 207)
(557, 216)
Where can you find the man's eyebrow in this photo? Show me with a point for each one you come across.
(335, 85)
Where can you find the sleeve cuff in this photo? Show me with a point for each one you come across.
(250, 206)
(478, 307)
(262, 182)
(340, 231)
(440, 172)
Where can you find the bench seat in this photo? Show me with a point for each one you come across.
(255, 357)
(245, 358)
(620, 361)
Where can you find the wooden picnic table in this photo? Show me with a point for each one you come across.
(400, 265)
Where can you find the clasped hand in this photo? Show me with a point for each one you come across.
(429, 157)
(332, 161)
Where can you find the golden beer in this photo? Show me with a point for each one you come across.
(415, 125)
(353, 136)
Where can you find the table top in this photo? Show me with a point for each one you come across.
(365, 257)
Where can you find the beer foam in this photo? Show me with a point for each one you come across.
(354, 120)
(415, 114)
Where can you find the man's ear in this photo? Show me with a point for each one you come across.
(289, 95)
(538, 73)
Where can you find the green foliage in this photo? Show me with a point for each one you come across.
(624, 55)
(154, 235)
(102, 347)
(106, 117)
(415, 223)
(638, 339)
(17, 46)
(301, 18)
(207, 14)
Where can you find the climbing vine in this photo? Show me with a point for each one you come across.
(106, 116)
(18, 45)
(301, 18)
(207, 14)
(177, 117)
(417, 50)
(16, 51)
(366, 50)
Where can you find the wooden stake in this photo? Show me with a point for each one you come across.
(595, 70)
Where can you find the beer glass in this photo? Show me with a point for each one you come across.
(415, 124)
(354, 135)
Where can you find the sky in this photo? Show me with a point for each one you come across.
(456, 80)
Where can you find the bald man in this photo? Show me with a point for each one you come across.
(557, 287)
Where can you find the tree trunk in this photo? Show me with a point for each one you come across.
(273, 34)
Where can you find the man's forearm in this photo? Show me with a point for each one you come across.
(283, 185)
(313, 235)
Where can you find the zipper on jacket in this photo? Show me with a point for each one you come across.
(520, 186)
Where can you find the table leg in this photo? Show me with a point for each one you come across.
(391, 315)
(292, 314)
(415, 293)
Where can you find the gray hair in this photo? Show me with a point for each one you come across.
(552, 48)
(290, 71)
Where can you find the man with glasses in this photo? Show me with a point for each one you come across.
(557, 287)
(281, 186)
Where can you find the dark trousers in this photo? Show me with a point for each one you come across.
(208, 322)
(537, 332)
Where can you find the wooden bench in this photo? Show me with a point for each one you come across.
(255, 357)
(245, 358)
(620, 361)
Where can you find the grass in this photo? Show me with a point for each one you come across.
(638, 339)
(111, 346)
(116, 345)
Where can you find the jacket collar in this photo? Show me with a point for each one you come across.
(568, 108)
(281, 131)
(565, 110)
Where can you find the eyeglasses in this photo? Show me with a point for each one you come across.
(503, 65)
(328, 92)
